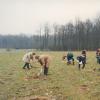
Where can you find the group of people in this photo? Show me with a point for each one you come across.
(44, 61)
(81, 59)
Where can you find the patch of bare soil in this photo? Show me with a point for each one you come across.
(34, 77)
(83, 88)
(31, 78)
(90, 71)
(35, 98)
(40, 98)
(1, 82)
(97, 70)
(95, 95)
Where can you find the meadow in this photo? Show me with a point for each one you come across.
(64, 82)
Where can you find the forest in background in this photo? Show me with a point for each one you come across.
(71, 36)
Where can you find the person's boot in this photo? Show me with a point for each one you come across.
(45, 70)
(23, 67)
(83, 66)
(79, 66)
(73, 63)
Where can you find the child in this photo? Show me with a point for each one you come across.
(27, 58)
(84, 54)
(81, 61)
(70, 58)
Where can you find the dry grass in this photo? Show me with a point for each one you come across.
(63, 82)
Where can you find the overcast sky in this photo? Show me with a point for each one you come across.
(25, 16)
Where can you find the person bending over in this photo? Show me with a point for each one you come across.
(70, 58)
(44, 61)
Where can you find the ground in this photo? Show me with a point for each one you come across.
(64, 82)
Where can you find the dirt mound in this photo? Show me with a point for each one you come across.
(96, 69)
(35, 98)
(2, 82)
(31, 77)
(40, 98)
(83, 88)
(34, 77)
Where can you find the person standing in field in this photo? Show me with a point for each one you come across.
(44, 61)
(98, 56)
(84, 54)
(27, 59)
(81, 61)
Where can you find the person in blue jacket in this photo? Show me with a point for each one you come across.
(70, 58)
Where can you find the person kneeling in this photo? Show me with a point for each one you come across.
(70, 58)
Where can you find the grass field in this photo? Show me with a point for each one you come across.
(63, 83)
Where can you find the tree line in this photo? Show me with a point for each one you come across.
(71, 36)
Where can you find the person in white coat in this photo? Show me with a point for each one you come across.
(27, 58)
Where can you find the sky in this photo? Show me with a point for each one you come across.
(26, 16)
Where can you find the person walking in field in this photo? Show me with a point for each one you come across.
(84, 54)
(98, 56)
(27, 59)
(70, 58)
(81, 61)
(44, 61)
